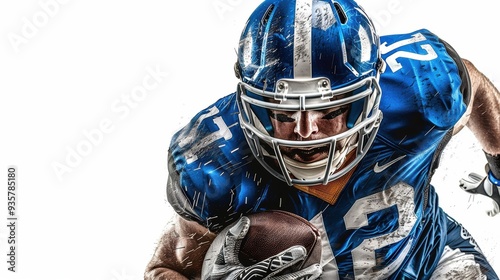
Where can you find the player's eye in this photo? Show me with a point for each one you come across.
(282, 117)
(333, 114)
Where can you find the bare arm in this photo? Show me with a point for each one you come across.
(180, 252)
(483, 119)
(483, 114)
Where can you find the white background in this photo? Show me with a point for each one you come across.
(68, 68)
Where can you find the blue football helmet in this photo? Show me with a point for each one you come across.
(309, 56)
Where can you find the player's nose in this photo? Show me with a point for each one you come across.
(306, 125)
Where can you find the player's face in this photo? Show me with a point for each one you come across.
(309, 125)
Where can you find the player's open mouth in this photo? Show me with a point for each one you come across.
(309, 155)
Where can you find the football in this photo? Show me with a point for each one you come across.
(270, 233)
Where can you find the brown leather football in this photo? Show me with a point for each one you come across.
(272, 232)
(269, 234)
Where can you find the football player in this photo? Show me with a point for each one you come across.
(343, 128)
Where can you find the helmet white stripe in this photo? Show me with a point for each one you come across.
(302, 39)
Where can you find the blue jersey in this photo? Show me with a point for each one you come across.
(386, 222)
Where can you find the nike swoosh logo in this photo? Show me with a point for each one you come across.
(380, 168)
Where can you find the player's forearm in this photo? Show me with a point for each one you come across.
(175, 259)
(484, 119)
(164, 263)
(180, 252)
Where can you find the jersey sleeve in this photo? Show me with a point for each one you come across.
(424, 90)
(208, 167)
(465, 87)
(176, 196)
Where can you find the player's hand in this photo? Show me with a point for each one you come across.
(228, 266)
(488, 186)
